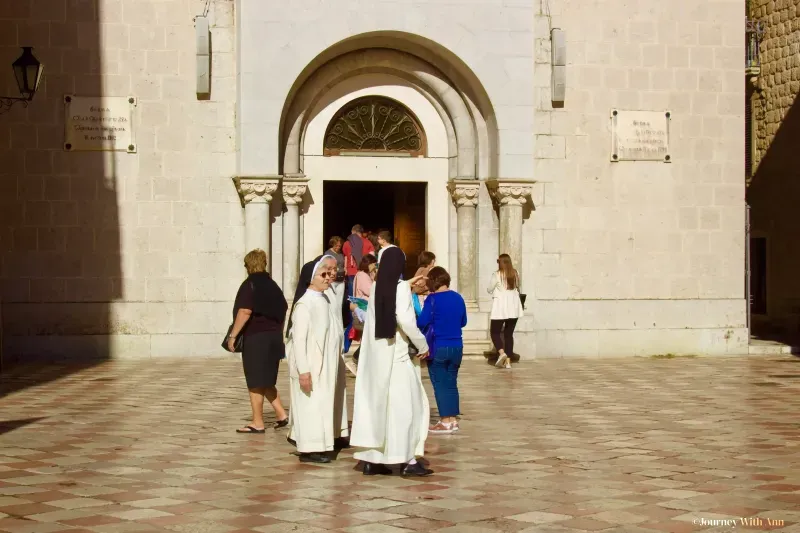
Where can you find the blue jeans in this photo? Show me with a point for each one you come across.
(347, 340)
(443, 371)
(349, 284)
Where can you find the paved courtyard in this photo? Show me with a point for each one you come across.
(635, 445)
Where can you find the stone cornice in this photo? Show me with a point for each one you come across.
(464, 192)
(256, 189)
(510, 191)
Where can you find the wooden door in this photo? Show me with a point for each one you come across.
(409, 222)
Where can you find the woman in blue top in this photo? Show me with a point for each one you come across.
(442, 318)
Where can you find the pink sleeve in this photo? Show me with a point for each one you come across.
(367, 290)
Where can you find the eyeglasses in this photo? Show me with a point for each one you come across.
(326, 275)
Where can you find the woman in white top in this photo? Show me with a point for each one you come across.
(506, 309)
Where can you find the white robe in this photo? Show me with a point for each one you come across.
(310, 349)
(336, 338)
(391, 412)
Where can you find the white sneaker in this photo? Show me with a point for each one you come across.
(501, 361)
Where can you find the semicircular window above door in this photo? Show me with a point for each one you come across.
(375, 125)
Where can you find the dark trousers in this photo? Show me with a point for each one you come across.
(349, 284)
(502, 333)
(443, 371)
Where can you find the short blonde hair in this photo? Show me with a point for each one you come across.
(256, 261)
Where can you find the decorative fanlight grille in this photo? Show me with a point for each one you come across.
(375, 124)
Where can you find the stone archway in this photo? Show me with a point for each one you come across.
(445, 81)
(391, 61)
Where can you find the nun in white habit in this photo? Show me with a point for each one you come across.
(335, 294)
(391, 409)
(314, 355)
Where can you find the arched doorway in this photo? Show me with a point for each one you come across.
(376, 126)
(459, 108)
(375, 153)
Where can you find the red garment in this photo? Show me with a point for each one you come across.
(350, 265)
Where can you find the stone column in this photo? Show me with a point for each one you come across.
(511, 196)
(293, 190)
(256, 195)
(465, 198)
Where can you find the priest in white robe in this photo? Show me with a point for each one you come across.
(391, 412)
(314, 357)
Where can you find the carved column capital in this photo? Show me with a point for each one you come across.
(510, 192)
(464, 192)
(256, 189)
(293, 189)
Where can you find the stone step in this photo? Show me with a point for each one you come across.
(475, 334)
(764, 347)
(476, 348)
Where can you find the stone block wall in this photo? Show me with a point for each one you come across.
(774, 191)
(639, 257)
(113, 252)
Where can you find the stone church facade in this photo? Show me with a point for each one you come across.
(118, 254)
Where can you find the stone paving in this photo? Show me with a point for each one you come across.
(636, 445)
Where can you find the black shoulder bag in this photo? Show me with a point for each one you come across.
(239, 341)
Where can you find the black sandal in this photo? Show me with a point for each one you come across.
(282, 423)
(251, 429)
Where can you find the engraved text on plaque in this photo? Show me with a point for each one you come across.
(99, 123)
(640, 136)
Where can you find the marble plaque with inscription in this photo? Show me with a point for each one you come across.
(640, 135)
(99, 123)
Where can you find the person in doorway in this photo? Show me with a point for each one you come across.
(314, 353)
(362, 288)
(356, 247)
(506, 309)
(442, 319)
(373, 239)
(391, 410)
(385, 241)
(335, 249)
(259, 312)
(365, 277)
(425, 262)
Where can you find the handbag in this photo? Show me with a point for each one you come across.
(429, 338)
(237, 343)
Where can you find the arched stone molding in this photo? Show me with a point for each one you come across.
(462, 78)
(378, 77)
(354, 63)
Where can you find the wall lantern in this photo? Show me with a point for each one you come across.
(28, 73)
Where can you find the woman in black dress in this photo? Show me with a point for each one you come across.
(259, 313)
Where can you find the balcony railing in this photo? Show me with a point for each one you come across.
(754, 32)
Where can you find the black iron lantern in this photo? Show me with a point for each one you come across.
(28, 73)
